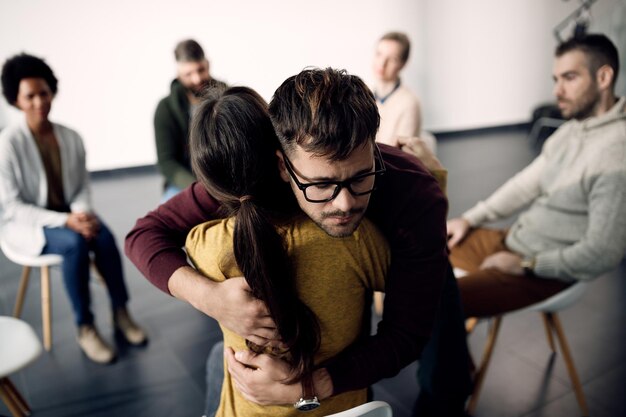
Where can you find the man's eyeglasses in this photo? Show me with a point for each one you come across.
(324, 191)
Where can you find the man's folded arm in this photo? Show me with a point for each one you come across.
(155, 243)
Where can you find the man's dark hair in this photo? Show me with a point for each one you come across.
(326, 111)
(598, 49)
(21, 66)
(403, 40)
(188, 51)
(233, 154)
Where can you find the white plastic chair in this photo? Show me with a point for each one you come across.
(20, 347)
(371, 409)
(549, 309)
(41, 261)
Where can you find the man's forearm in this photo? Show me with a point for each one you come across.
(190, 286)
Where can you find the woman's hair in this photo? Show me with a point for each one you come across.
(233, 153)
(18, 67)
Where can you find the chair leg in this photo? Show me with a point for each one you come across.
(12, 398)
(46, 308)
(484, 363)
(378, 302)
(21, 292)
(470, 324)
(548, 327)
(553, 318)
(17, 397)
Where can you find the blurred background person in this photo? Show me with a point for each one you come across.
(173, 113)
(46, 207)
(400, 110)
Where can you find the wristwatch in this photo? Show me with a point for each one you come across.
(528, 265)
(309, 400)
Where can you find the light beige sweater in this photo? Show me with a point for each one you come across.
(400, 115)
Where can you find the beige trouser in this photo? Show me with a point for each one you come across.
(489, 292)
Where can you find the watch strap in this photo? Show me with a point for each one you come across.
(309, 400)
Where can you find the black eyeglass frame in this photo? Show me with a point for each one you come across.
(339, 185)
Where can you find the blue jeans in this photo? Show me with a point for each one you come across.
(76, 261)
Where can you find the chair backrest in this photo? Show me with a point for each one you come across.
(371, 409)
(560, 300)
(27, 260)
(20, 345)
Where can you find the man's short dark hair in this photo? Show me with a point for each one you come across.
(598, 49)
(188, 51)
(326, 111)
(21, 66)
(403, 40)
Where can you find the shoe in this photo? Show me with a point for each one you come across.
(93, 345)
(123, 323)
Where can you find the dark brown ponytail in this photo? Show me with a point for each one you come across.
(233, 153)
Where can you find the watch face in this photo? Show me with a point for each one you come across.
(308, 404)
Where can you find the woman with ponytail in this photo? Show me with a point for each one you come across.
(314, 285)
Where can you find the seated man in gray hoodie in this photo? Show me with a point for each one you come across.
(574, 227)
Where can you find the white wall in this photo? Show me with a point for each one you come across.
(474, 63)
(489, 62)
(114, 59)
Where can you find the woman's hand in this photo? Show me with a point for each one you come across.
(86, 224)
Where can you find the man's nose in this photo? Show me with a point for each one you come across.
(557, 90)
(344, 201)
(196, 79)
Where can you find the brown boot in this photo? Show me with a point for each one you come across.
(93, 345)
(128, 328)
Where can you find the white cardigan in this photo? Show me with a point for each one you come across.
(24, 187)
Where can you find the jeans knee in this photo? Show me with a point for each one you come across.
(104, 237)
(75, 244)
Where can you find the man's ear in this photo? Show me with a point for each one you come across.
(280, 159)
(604, 77)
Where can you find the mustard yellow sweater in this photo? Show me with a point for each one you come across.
(332, 276)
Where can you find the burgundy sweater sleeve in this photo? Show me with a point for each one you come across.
(410, 209)
(155, 243)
